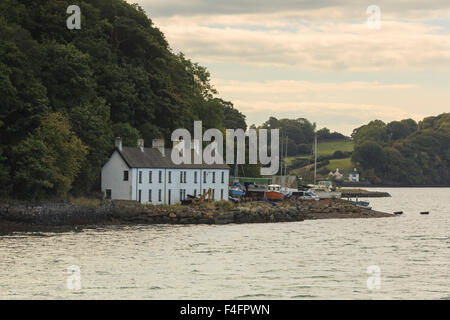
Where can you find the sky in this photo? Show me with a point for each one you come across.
(332, 62)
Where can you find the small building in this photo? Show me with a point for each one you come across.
(148, 175)
(353, 176)
(336, 175)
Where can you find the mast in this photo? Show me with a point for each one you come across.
(236, 165)
(315, 157)
(285, 153)
(281, 158)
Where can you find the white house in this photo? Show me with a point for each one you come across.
(148, 175)
(337, 175)
(353, 176)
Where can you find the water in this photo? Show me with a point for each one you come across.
(322, 259)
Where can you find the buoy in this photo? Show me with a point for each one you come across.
(398, 212)
(424, 212)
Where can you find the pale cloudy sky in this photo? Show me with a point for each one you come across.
(317, 59)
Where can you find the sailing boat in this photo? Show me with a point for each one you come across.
(236, 190)
(323, 190)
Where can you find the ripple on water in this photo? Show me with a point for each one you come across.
(321, 259)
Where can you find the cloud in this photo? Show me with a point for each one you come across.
(342, 117)
(267, 42)
(321, 46)
(401, 9)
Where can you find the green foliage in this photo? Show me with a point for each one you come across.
(128, 134)
(48, 161)
(117, 76)
(325, 134)
(404, 152)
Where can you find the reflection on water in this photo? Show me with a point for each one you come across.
(296, 260)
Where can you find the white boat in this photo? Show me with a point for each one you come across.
(325, 193)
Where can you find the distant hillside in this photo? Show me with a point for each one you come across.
(404, 152)
(331, 155)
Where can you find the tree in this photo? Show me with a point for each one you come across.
(48, 160)
(370, 155)
(128, 134)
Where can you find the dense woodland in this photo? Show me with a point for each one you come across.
(404, 152)
(299, 134)
(65, 94)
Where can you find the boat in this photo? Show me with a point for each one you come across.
(236, 190)
(325, 193)
(360, 203)
(323, 190)
(274, 192)
(309, 195)
(256, 191)
(425, 212)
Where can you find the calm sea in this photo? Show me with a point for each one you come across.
(405, 257)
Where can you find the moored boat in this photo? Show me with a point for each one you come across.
(274, 192)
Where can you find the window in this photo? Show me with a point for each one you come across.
(125, 175)
(170, 176)
(108, 193)
(140, 176)
(181, 176)
(185, 176)
(181, 194)
(160, 177)
(150, 195)
(221, 193)
(159, 195)
(213, 193)
(150, 176)
(140, 196)
(195, 192)
(223, 177)
(204, 176)
(214, 177)
(169, 195)
(195, 176)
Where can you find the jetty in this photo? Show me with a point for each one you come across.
(361, 193)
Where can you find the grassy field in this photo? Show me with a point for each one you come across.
(327, 148)
(342, 164)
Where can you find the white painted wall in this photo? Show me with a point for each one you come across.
(112, 178)
(171, 184)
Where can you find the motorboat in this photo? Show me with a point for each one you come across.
(274, 192)
(325, 193)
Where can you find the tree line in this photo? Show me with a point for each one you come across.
(404, 152)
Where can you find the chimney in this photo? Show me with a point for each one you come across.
(158, 144)
(140, 144)
(119, 143)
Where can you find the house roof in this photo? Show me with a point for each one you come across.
(153, 158)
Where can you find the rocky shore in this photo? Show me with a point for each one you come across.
(67, 216)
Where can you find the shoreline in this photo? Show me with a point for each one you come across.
(64, 217)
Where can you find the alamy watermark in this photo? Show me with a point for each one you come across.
(213, 152)
(74, 20)
(374, 280)
(73, 281)
(374, 20)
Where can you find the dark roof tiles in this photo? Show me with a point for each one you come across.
(152, 158)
